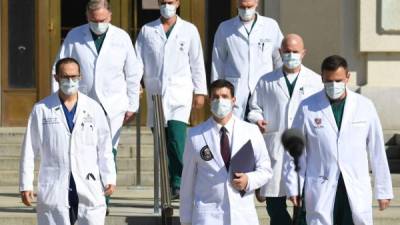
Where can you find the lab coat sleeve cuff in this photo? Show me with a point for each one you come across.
(254, 117)
(133, 108)
(200, 92)
(26, 188)
(383, 195)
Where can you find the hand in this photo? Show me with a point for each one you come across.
(141, 91)
(128, 117)
(295, 200)
(240, 181)
(262, 124)
(110, 188)
(198, 101)
(383, 204)
(27, 197)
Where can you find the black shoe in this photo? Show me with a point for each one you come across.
(175, 193)
(107, 211)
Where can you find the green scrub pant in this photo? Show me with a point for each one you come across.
(176, 137)
(342, 211)
(114, 151)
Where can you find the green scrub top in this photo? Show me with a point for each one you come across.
(98, 40)
(337, 109)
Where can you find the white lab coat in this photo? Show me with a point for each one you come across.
(329, 152)
(173, 67)
(87, 150)
(207, 196)
(271, 102)
(111, 77)
(242, 59)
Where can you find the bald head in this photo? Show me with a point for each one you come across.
(292, 42)
(292, 52)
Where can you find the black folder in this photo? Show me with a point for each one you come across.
(243, 161)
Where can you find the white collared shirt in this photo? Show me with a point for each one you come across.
(229, 128)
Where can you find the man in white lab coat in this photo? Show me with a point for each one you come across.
(246, 47)
(213, 191)
(171, 52)
(273, 106)
(342, 130)
(69, 132)
(109, 64)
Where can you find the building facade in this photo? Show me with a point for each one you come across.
(366, 33)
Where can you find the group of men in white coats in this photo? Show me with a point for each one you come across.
(250, 82)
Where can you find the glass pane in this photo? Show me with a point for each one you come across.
(73, 14)
(21, 36)
(150, 4)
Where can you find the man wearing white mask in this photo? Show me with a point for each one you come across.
(171, 52)
(213, 191)
(272, 107)
(245, 48)
(69, 132)
(342, 131)
(109, 64)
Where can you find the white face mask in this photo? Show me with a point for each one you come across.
(247, 14)
(69, 86)
(335, 90)
(221, 107)
(98, 28)
(167, 10)
(291, 60)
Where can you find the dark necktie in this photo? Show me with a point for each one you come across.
(225, 149)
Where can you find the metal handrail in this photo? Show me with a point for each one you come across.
(161, 163)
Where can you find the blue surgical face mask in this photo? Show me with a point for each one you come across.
(98, 28)
(69, 86)
(221, 107)
(291, 60)
(167, 10)
(247, 14)
(335, 90)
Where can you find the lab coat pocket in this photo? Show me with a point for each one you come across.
(315, 193)
(265, 51)
(47, 195)
(95, 195)
(271, 140)
(88, 135)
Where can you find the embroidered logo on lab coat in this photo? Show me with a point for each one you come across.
(88, 119)
(318, 122)
(205, 153)
(50, 120)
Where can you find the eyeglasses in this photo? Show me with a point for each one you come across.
(72, 77)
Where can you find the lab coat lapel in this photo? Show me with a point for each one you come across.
(241, 29)
(213, 142)
(89, 40)
(237, 137)
(78, 114)
(59, 111)
(160, 30)
(298, 90)
(282, 84)
(327, 110)
(107, 40)
(349, 109)
(173, 36)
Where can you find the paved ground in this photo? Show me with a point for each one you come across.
(134, 206)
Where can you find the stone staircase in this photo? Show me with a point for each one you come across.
(131, 204)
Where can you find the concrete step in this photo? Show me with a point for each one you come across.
(124, 150)
(15, 135)
(124, 178)
(134, 206)
(123, 163)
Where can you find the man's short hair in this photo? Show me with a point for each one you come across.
(333, 62)
(222, 83)
(94, 5)
(66, 61)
